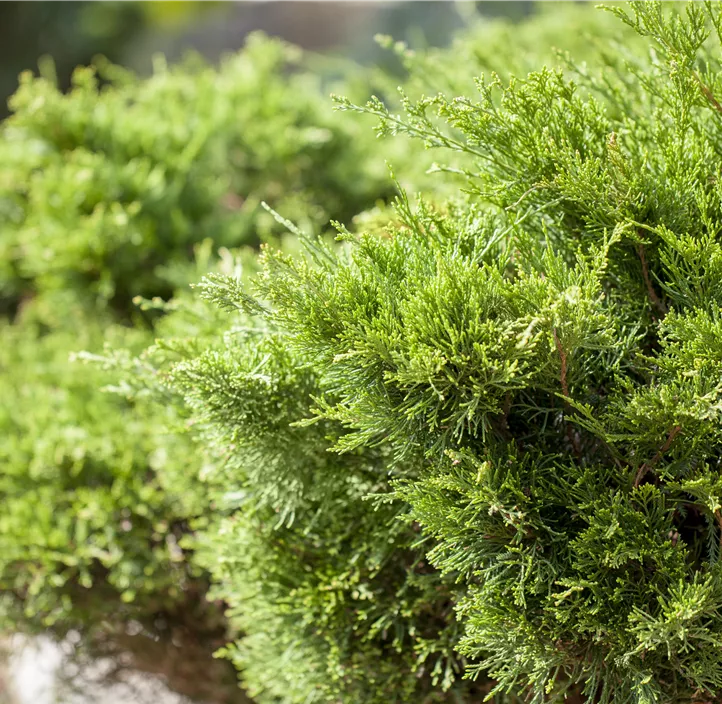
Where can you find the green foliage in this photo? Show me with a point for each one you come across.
(477, 440)
(105, 189)
(94, 490)
(106, 193)
(517, 387)
(514, 48)
(330, 589)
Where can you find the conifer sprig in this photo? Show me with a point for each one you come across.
(512, 394)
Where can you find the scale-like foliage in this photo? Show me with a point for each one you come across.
(331, 591)
(480, 439)
(519, 388)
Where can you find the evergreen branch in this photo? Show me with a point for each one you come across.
(653, 297)
(647, 466)
(563, 357)
(573, 438)
(425, 130)
(707, 92)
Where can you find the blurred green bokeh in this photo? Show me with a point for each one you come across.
(73, 32)
(129, 33)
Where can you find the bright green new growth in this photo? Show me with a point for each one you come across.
(520, 388)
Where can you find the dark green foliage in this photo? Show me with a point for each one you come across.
(519, 387)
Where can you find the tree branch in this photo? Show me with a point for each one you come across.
(649, 465)
(563, 357)
(707, 92)
(653, 297)
(573, 438)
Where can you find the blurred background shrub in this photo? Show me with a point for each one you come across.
(103, 189)
(129, 33)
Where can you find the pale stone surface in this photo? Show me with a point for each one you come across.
(33, 673)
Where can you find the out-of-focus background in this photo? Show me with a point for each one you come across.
(131, 33)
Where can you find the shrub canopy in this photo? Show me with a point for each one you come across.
(475, 439)
(485, 437)
(105, 189)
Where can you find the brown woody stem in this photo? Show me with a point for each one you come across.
(573, 439)
(563, 357)
(707, 93)
(653, 297)
(649, 465)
